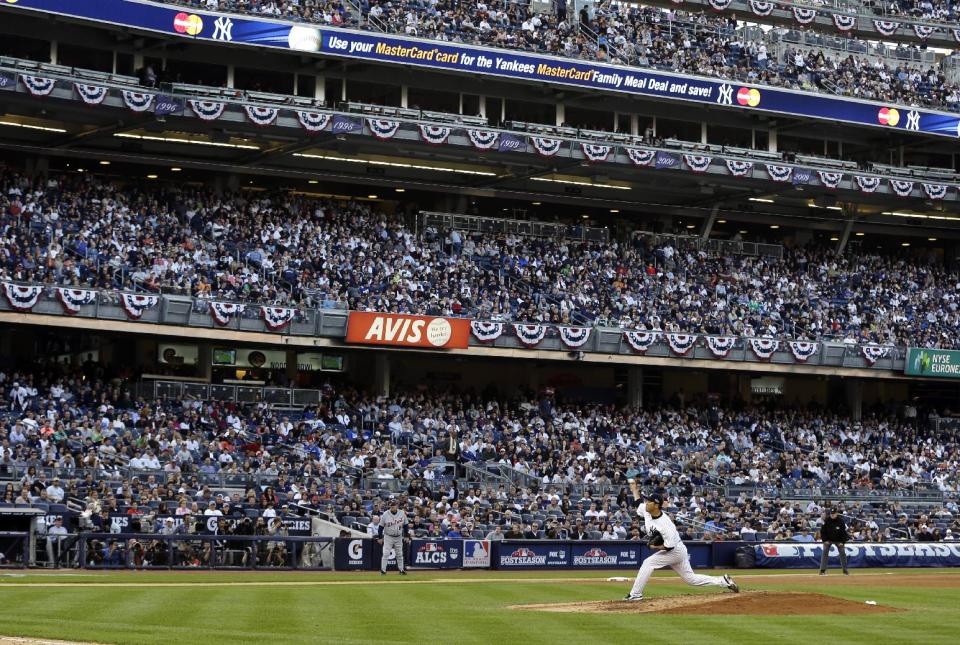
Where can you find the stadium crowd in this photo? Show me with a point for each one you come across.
(81, 230)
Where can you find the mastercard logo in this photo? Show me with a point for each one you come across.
(187, 23)
(748, 96)
(888, 116)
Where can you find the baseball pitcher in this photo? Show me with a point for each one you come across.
(669, 550)
(392, 528)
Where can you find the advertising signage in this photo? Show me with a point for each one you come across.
(433, 55)
(401, 330)
(943, 363)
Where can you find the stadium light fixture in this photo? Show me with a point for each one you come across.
(104, 163)
(371, 197)
(14, 124)
(931, 239)
(614, 210)
(834, 208)
(691, 226)
(399, 190)
(536, 203)
(721, 221)
(920, 216)
(834, 239)
(393, 164)
(859, 234)
(905, 244)
(762, 200)
(581, 183)
(774, 226)
(196, 142)
(313, 181)
(743, 231)
(151, 176)
(175, 169)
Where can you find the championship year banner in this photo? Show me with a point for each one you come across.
(786, 555)
(944, 363)
(183, 22)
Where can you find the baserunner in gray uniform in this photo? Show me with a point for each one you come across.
(392, 524)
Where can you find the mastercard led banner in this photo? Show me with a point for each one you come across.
(398, 330)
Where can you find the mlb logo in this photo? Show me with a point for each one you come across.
(522, 553)
(770, 550)
(595, 553)
(431, 547)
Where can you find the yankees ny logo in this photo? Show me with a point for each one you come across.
(913, 120)
(223, 28)
(726, 95)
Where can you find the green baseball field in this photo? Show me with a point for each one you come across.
(871, 606)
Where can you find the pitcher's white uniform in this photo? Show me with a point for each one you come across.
(674, 555)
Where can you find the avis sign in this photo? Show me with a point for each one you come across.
(407, 331)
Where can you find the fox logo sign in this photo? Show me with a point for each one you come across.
(407, 331)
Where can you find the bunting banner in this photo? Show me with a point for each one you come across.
(641, 341)
(383, 129)
(574, 337)
(956, 34)
(764, 348)
(595, 152)
(137, 101)
(261, 116)
(22, 298)
(641, 157)
(779, 173)
(91, 94)
(802, 350)
(720, 346)
(803, 15)
(313, 122)
(73, 299)
(681, 343)
(483, 139)
(843, 22)
(207, 110)
(761, 7)
(222, 312)
(720, 5)
(923, 31)
(698, 163)
(868, 184)
(935, 191)
(874, 353)
(901, 188)
(486, 332)
(38, 85)
(530, 335)
(887, 27)
(435, 135)
(739, 168)
(277, 317)
(135, 304)
(546, 147)
(830, 179)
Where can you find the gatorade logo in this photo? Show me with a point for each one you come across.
(888, 116)
(187, 23)
(748, 96)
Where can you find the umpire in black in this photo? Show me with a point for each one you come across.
(833, 532)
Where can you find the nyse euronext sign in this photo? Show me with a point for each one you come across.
(932, 362)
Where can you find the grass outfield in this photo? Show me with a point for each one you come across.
(452, 607)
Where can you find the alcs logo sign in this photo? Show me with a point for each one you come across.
(407, 331)
(187, 23)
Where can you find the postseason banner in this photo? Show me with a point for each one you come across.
(909, 554)
(603, 555)
(183, 22)
(531, 554)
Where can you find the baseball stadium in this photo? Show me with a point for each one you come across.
(479, 321)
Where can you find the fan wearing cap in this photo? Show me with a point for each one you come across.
(393, 524)
(671, 552)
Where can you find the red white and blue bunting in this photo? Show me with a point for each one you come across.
(137, 101)
(435, 135)
(843, 22)
(802, 350)
(935, 191)
(761, 7)
(574, 337)
(901, 187)
(22, 298)
(641, 157)
(261, 116)
(641, 341)
(38, 85)
(720, 5)
(681, 343)
(73, 299)
(874, 353)
(764, 348)
(530, 335)
(486, 332)
(956, 34)
(277, 317)
(91, 94)
(803, 15)
(313, 122)
(546, 147)
(739, 168)
(222, 312)
(698, 163)
(720, 346)
(483, 139)
(383, 129)
(830, 179)
(923, 31)
(779, 173)
(135, 304)
(868, 184)
(595, 152)
(207, 110)
(886, 27)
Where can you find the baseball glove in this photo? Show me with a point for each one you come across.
(655, 539)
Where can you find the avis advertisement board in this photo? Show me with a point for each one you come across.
(399, 330)
(436, 554)
(895, 554)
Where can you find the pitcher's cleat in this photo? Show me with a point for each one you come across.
(731, 585)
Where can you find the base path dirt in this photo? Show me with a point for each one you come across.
(749, 603)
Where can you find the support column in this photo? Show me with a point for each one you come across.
(320, 91)
(381, 377)
(851, 213)
(561, 114)
(404, 96)
(54, 52)
(708, 226)
(230, 76)
(296, 84)
(292, 371)
(635, 125)
(772, 140)
(703, 132)
(482, 106)
(635, 387)
(205, 362)
(854, 388)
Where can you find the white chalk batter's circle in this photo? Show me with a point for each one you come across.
(439, 332)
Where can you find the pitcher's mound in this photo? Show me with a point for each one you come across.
(748, 603)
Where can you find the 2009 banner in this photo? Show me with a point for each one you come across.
(895, 554)
(477, 60)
